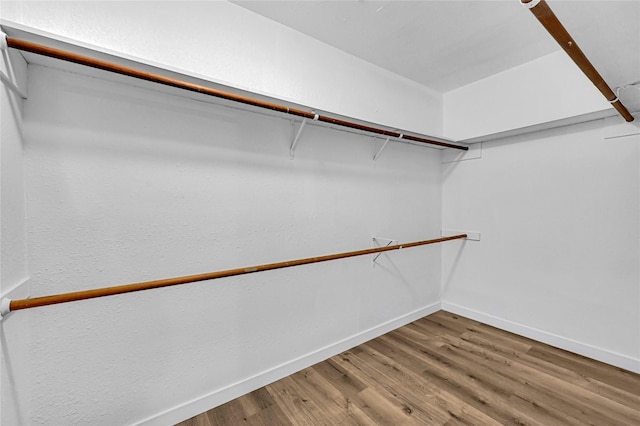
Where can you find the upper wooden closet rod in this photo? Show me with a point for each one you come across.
(167, 81)
(15, 305)
(550, 21)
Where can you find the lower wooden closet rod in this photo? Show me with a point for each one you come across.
(15, 305)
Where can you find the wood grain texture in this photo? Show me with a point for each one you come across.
(35, 302)
(64, 55)
(443, 370)
(552, 24)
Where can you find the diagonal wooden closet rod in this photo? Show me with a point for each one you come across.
(8, 305)
(167, 81)
(550, 21)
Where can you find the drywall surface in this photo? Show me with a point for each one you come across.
(549, 89)
(559, 258)
(14, 396)
(125, 184)
(13, 268)
(228, 44)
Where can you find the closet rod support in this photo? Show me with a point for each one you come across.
(11, 85)
(375, 157)
(4, 77)
(376, 245)
(292, 149)
(5, 307)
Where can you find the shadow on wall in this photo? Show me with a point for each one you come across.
(12, 390)
(452, 270)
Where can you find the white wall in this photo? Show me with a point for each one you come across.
(125, 184)
(224, 43)
(14, 388)
(550, 89)
(12, 204)
(559, 258)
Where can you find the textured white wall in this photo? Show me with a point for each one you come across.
(225, 43)
(549, 89)
(559, 258)
(14, 389)
(125, 184)
(13, 249)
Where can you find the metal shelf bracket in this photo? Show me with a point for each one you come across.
(376, 243)
(292, 149)
(294, 142)
(377, 154)
(5, 78)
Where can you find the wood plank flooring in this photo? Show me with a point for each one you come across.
(443, 370)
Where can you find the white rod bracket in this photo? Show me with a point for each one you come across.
(4, 77)
(375, 157)
(5, 307)
(3, 41)
(531, 4)
(11, 85)
(292, 149)
(376, 245)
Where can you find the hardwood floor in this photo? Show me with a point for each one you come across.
(443, 370)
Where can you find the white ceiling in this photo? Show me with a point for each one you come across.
(447, 44)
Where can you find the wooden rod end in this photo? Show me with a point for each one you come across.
(622, 110)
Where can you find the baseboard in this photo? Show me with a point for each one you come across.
(608, 357)
(220, 396)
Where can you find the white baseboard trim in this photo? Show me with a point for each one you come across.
(220, 396)
(606, 356)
